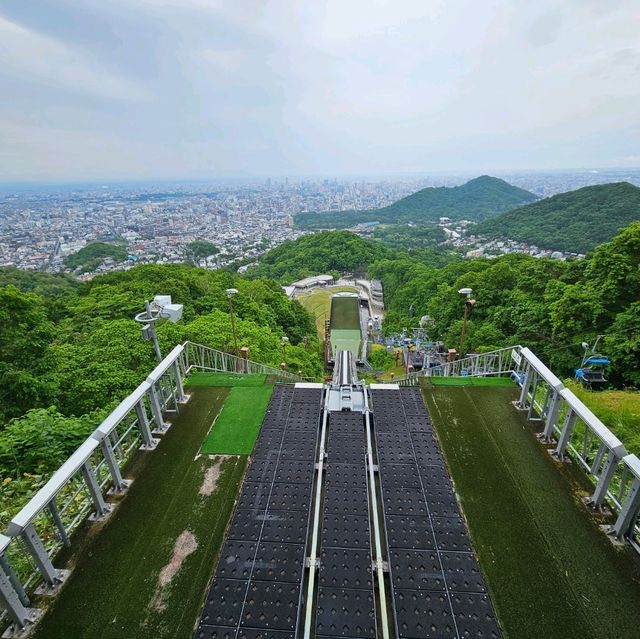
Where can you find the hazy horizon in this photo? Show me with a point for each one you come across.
(197, 90)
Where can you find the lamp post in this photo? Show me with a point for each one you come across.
(160, 308)
(230, 294)
(283, 342)
(468, 304)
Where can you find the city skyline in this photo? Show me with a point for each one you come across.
(162, 90)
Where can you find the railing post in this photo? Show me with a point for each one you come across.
(51, 575)
(524, 391)
(148, 442)
(18, 613)
(13, 580)
(182, 398)
(604, 480)
(628, 512)
(567, 429)
(552, 416)
(156, 410)
(57, 520)
(119, 484)
(99, 504)
(535, 381)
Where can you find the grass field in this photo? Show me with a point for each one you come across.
(319, 302)
(472, 381)
(235, 430)
(619, 410)
(550, 570)
(225, 379)
(144, 573)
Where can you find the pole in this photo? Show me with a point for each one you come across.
(464, 328)
(152, 332)
(233, 327)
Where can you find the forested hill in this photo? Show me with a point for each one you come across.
(335, 253)
(576, 221)
(478, 199)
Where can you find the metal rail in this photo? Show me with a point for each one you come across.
(376, 524)
(313, 553)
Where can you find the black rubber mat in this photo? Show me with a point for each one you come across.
(437, 587)
(345, 613)
(256, 590)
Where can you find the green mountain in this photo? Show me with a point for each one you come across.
(478, 199)
(576, 221)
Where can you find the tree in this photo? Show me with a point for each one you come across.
(25, 335)
(199, 250)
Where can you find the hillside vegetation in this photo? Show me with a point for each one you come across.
(92, 255)
(478, 199)
(576, 221)
(333, 253)
(549, 305)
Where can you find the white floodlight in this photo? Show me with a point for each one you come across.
(162, 300)
(465, 291)
(585, 345)
(172, 312)
(231, 292)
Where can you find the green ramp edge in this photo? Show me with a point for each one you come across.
(236, 428)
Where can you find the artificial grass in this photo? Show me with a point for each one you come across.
(472, 381)
(319, 303)
(551, 572)
(345, 313)
(235, 430)
(225, 379)
(113, 591)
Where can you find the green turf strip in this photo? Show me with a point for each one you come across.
(472, 381)
(551, 572)
(225, 379)
(235, 430)
(113, 591)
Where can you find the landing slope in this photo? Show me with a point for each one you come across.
(480, 198)
(551, 572)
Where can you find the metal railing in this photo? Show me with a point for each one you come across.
(205, 358)
(503, 361)
(79, 488)
(579, 434)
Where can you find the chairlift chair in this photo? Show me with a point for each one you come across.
(592, 370)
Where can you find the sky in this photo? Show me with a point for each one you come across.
(144, 89)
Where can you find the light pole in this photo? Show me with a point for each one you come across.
(468, 304)
(230, 294)
(283, 342)
(160, 308)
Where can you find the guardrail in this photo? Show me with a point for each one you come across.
(78, 490)
(580, 435)
(503, 361)
(209, 359)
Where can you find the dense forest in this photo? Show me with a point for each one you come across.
(480, 198)
(576, 221)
